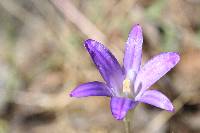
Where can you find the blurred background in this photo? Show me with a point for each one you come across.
(42, 59)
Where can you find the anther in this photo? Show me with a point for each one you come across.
(126, 86)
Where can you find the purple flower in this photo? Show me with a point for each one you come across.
(128, 86)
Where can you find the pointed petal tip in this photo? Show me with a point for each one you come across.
(177, 55)
(171, 109)
(71, 94)
(87, 42)
(137, 28)
(168, 106)
(136, 34)
(174, 57)
(136, 25)
(119, 118)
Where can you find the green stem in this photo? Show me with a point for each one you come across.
(127, 124)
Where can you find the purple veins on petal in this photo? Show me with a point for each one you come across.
(120, 106)
(91, 89)
(155, 98)
(107, 64)
(154, 69)
(133, 50)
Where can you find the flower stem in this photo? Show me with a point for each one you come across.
(127, 124)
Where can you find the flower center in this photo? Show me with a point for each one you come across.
(126, 86)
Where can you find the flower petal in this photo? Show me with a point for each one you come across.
(155, 98)
(91, 89)
(133, 51)
(154, 69)
(107, 64)
(120, 106)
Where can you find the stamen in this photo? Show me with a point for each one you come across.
(126, 86)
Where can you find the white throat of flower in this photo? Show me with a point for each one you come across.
(127, 86)
(128, 83)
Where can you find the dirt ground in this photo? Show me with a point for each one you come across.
(42, 58)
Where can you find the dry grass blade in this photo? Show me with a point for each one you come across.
(82, 22)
